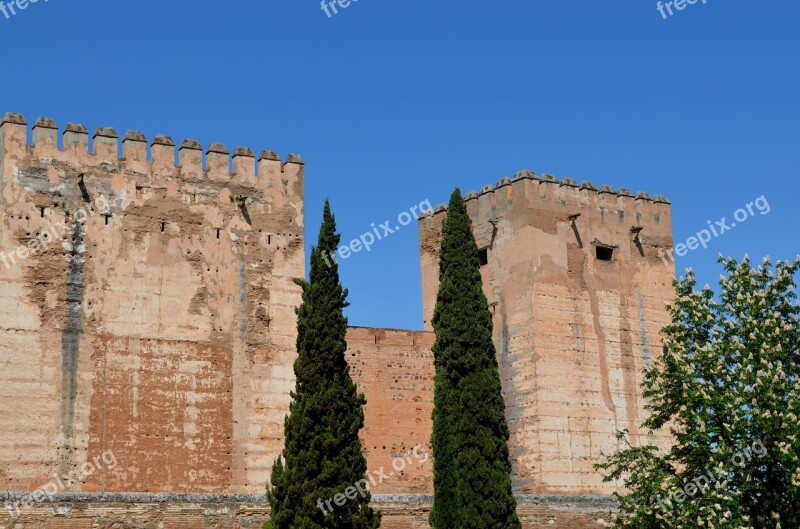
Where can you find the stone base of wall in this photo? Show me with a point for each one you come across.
(250, 511)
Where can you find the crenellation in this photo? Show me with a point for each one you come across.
(625, 204)
(76, 139)
(162, 152)
(563, 198)
(218, 162)
(106, 144)
(157, 167)
(45, 136)
(190, 159)
(486, 204)
(269, 155)
(293, 179)
(244, 165)
(13, 117)
(525, 174)
(13, 139)
(568, 182)
(270, 175)
(134, 151)
(546, 177)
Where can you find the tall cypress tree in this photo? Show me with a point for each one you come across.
(322, 461)
(472, 482)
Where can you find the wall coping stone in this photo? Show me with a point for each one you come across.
(591, 502)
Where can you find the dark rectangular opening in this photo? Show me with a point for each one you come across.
(483, 256)
(604, 254)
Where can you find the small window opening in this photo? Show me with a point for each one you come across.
(107, 217)
(604, 254)
(41, 211)
(269, 239)
(483, 256)
(163, 226)
(218, 230)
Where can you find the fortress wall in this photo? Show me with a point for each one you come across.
(394, 369)
(574, 332)
(159, 325)
(159, 322)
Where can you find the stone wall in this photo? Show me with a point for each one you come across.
(244, 511)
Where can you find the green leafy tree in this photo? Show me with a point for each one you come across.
(472, 482)
(728, 388)
(323, 458)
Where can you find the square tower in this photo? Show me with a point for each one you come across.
(578, 292)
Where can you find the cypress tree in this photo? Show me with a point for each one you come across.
(472, 482)
(322, 458)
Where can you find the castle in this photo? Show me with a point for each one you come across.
(148, 311)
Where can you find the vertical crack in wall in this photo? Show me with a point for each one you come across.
(243, 298)
(627, 362)
(647, 357)
(70, 342)
(601, 347)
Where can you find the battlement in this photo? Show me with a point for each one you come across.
(155, 165)
(546, 191)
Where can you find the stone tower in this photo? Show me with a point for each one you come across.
(578, 291)
(147, 308)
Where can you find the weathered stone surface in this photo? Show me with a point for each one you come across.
(250, 511)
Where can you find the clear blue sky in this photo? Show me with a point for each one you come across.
(391, 103)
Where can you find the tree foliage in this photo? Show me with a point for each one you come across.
(472, 483)
(323, 455)
(728, 388)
